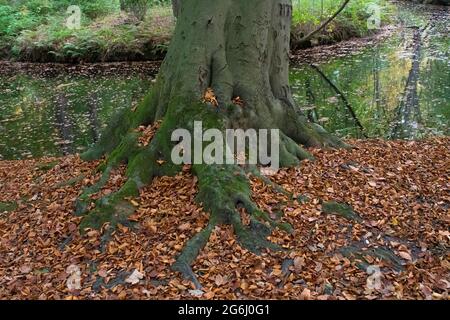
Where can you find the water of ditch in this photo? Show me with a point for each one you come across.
(398, 89)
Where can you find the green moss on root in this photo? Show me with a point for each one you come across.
(8, 206)
(341, 209)
(356, 253)
(46, 166)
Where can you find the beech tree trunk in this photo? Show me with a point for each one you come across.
(233, 48)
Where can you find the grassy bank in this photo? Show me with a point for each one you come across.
(352, 22)
(36, 30)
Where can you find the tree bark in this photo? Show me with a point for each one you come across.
(233, 48)
(176, 6)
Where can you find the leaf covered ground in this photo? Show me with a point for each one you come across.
(383, 204)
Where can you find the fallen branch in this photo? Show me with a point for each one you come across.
(324, 24)
(343, 98)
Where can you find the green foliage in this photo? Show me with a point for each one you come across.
(355, 15)
(12, 21)
(136, 7)
(89, 8)
(7, 207)
(35, 29)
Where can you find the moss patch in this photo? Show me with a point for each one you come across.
(46, 166)
(357, 254)
(341, 209)
(8, 206)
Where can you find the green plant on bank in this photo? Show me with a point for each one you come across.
(136, 7)
(21, 17)
(84, 43)
(307, 14)
(35, 30)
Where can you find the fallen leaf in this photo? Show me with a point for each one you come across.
(184, 226)
(372, 183)
(25, 268)
(219, 280)
(196, 293)
(210, 97)
(405, 255)
(209, 295)
(135, 277)
(306, 294)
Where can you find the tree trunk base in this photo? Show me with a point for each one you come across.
(213, 50)
(223, 189)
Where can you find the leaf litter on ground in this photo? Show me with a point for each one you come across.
(398, 189)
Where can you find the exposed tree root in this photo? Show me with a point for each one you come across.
(341, 209)
(223, 189)
(291, 153)
(243, 66)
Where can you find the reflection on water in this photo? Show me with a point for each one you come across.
(398, 89)
(60, 115)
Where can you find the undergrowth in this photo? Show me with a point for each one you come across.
(36, 31)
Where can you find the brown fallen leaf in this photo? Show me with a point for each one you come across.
(209, 295)
(306, 294)
(210, 97)
(238, 101)
(405, 255)
(299, 262)
(25, 268)
(103, 273)
(135, 277)
(184, 226)
(135, 203)
(219, 280)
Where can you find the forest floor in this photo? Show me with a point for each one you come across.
(398, 222)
